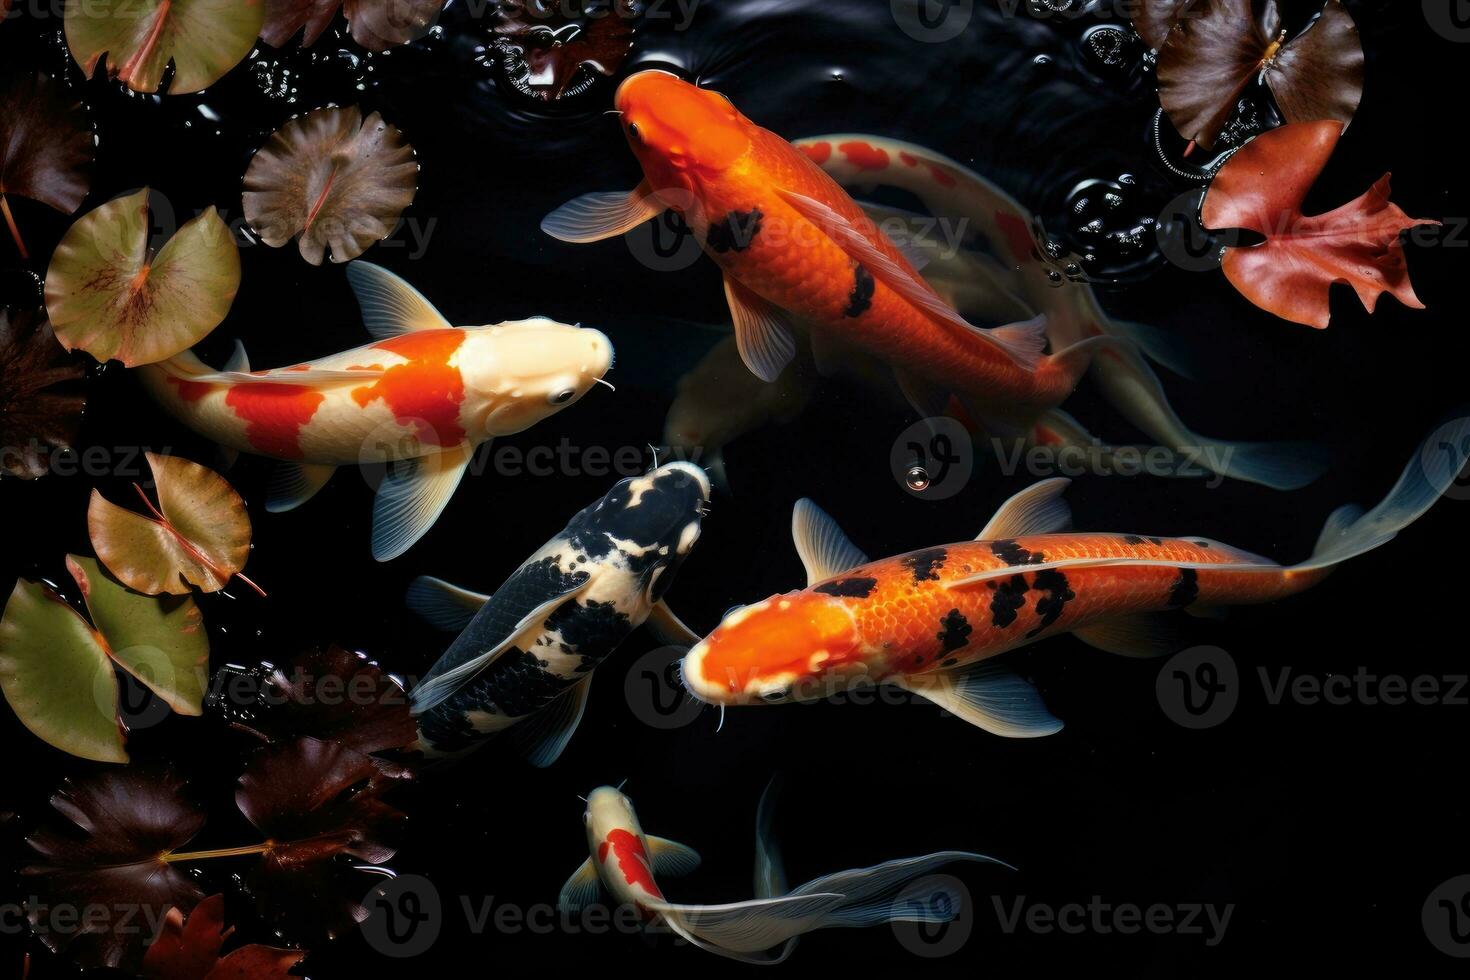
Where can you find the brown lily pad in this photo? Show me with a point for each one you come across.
(189, 949)
(375, 24)
(203, 39)
(336, 180)
(109, 295)
(108, 851)
(198, 536)
(46, 147)
(1261, 188)
(41, 400)
(1216, 50)
(552, 50)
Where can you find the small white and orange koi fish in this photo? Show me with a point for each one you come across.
(425, 395)
(624, 861)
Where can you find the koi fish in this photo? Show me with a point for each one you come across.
(794, 245)
(624, 863)
(526, 654)
(425, 395)
(932, 621)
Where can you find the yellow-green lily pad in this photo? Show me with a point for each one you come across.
(203, 38)
(109, 295)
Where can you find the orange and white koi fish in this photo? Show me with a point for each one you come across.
(931, 621)
(624, 861)
(424, 395)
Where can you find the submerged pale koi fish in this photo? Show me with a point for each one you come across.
(525, 658)
(794, 245)
(424, 395)
(624, 861)
(930, 621)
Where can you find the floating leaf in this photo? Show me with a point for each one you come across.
(203, 38)
(188, 949)
(109, 851)
(1262, 187)
(1154, 19)
(376, 24)
(198, 536)
(552, 51)
(57, 671)
(40, 394)
(46, 146)
(316, 801)
(332, 178)
(1220, 48)
(111, 297)
(337, 696)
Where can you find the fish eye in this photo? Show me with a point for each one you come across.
(635, 132)
(563, 396)
(774, 696)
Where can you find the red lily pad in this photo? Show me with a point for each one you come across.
(41, 398)
(108, 851)
(316, 802)
(1261, 188)
(375, 24)
(189, 949)
(334, 695)
(336, 180)
(1216, 51)
(109, 295)
(203, 39)
(198, 536)
(46, 147)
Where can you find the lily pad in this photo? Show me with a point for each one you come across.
(41, 400)
(375, 24)
(550, 51)
(333, 178)
(46, 147)
(203, 39)
(56, 670)
(108, 850)
(110, 296)
(189, 949)
(199, 535)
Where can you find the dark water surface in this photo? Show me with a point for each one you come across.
(1325, 827)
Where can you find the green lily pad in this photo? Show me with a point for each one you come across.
(52, 667)
(199, 535)
(108, 295)
(203, 38)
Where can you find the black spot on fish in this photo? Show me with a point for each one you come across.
(1186, 589)
(1157, 541)
(924, 564)
(592, 630)
(1202, 544)
(1132, 539)
(1049, 607)
(863, 286)
(1009, 599)
(736, 232)
(950, 662)
(849, 588)
(954, 630)
(1013, 554)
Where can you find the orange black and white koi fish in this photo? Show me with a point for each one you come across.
(931, 621)
(624, 861)
(795, 248)
(424, 396)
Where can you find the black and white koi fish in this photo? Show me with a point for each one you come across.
(526, 654)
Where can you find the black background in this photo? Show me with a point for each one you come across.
(1326, 827)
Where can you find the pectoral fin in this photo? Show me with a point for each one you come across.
(761, 332)
(581, 889)
(390, 306)
(668, 628)
(442, 605)
(987, 697)
(411, 498)
(293, 484)
(671, 857)
(543, 737)
(594, 217)
(1141, 635)
(824, 550)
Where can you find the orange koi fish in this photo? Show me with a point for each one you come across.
(424, 395)
(931, 621)
(794, 245)
(624, 861)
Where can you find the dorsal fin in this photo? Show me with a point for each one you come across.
(825, 551)
(390, 306)
(1039, 509)
(239, 361)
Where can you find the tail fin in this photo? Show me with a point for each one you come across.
(1351, 532)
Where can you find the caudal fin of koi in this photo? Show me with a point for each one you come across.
(1351, 531)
